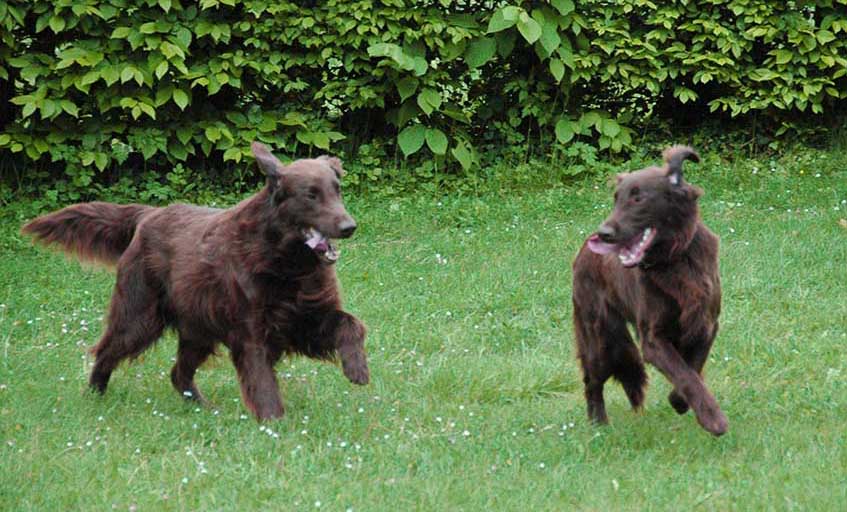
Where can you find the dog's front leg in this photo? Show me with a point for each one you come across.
(348, 336)
(695, 353)
(259, 388)
(687, 382)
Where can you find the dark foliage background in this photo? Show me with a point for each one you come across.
(167, 93)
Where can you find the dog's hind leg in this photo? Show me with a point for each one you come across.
(591, 351)
(259, 388)
(687, 382)
(625, 361)
(135, 321)
(190, 355)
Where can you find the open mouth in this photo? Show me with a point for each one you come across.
(630, 253)
(321, 245)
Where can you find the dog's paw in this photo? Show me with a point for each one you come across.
(356, 370)
(677, 402)
(715, 423)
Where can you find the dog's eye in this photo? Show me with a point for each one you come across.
(312, 193)
(337, 188)
(635, 194)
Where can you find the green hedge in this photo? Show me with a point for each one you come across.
(101, 88)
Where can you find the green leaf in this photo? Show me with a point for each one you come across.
(436, 140)
(529, 29)
(610, 128)
(127, 73)
(406, 87)
(617, 145)
(408, 110)
(385, 50)
(183, 37)
(110, 74)
(420, 66)
(557, 69)
(90, 77)
(564, 130)
(411, 139)
(320, 140)
(784, 56)
(566, 54)
(506, 42)
(590, 119)
(163, 95)
(233, 153)
(184, 134)
(499, 22)
(40, 23)
(48, 108)
(564, 7)
(120, 33)
(28, 109)
(69, 107)
(165, 4)
(684, 94)
(147, 109)
(4, 139)
(550, 39)
(305, 137)
(213, 133)
(57, 23)
(22, 100)
(429, 100)
(462, 155)
(511, 13)
(161, 69)
(180, 98)
(825, 36)
(480, 51)
(101, 160)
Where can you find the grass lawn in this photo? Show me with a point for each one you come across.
(476, 399)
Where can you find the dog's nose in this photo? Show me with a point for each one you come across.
(606, 233)
(347, 227)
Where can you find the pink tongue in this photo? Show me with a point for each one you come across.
(316, 241)
(598, 246)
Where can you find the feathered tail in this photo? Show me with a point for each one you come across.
(98, 232)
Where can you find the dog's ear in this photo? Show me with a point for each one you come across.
(334, 164)
(674, 157)
(268, 163)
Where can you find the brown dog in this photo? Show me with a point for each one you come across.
(653, 264)
(258, 277)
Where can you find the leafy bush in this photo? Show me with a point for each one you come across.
(99, 90)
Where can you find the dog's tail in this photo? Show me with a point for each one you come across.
(95, 232)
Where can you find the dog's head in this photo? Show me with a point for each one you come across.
(651, 206)
(307, 194)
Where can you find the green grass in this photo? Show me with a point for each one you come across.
(476, 400)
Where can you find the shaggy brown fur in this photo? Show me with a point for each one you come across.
(653, 264)
(258, 277)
